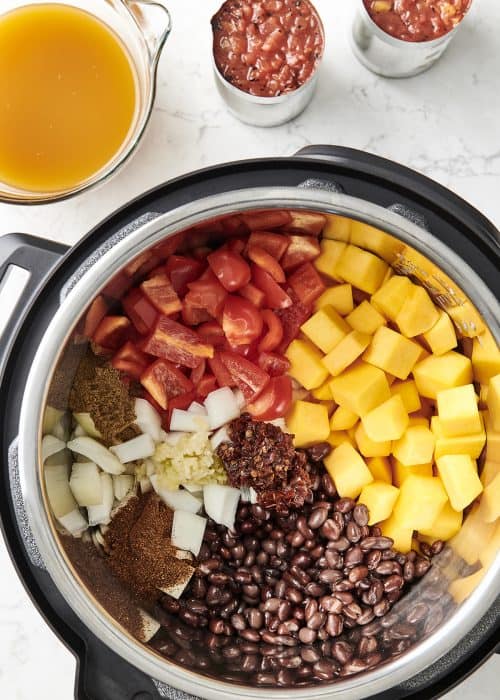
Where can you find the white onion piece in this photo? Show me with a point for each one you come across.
(85, 484)
(279, 423)
(173, 438)
(163, 435)
(60, 497)
(140, 447)
(183, 554)
(187, 422)
(177, 589)
(177, 500)
(245, 494)
(145, 484)
(101, 514)
(61, 429)
(78, 432)
(240, 399)
(51, 417)
(74, 523)
(148, 419)
(150, 627)
(86, 422)
(254, 497)
(95, 452)
(197, 408)
(192, 487)
(64, 457)
(122, 485)
(150, 467)
(51, 446)
(219, 436)
(188, 530)
(221, 503)
(221, 406)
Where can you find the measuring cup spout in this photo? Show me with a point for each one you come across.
(155, 23)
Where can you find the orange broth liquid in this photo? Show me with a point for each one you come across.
(67, 96)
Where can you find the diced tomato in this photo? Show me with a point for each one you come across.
(154, 262)
(253, 294)
(247, 376)
(212, 333)
(206, 384)
(230, 269)
(241, 321)
(274, 243)
(266, 261)
(207, 293)
(97, 310)
(274, 401)
(164, 381)
(201, 252)
(291, 320)
(182, 401)
(168, 247)
(137, 262)
(263, 220)
(307, 283)
(192, 315)
(273, 364)
(140, 311)
(117, 285)
(112, 331)
(250, 351)
(309, 222)
(274, 335)
(175, 342)
(233, 225)
(198, 372)
(302, 249)
(276, 297)
(161, 294)
(222, 374)
(182, 270)
(237, 245)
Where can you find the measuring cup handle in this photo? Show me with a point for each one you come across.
(155, 23)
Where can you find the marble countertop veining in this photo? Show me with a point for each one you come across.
(443, 123)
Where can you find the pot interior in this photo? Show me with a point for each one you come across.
(221, 626)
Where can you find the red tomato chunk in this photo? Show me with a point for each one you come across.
(177, 343)
(417, 20)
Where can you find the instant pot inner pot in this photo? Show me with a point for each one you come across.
(293, 596)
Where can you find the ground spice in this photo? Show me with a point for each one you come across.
(67, 366)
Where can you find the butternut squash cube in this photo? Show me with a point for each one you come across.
(348, 470)
(445, 526)
(365, 318)
(360, 388)
(346, 352)
(492, 439)
(485, 357)
(416, 446)
(392, 352)
(441, 337)
(375, 240)
(421, 498)
(361, 269)
(323, 393)
(389, 299)
(471, 445)
(474, 535)
(343, 419)
(308, 422)
(337, 228)
(380, 468)
(436, 373)
(340, 297)
(490, 500)
(399, 533)
(337, 437)
(461, 588)
(461, 481)
(418, 420)
(379, 498)
(409, 394)
(458, 412)
(386, 422)
(418, 313)
(305, 364)
(368, 447)
(331, 251)
(493, 401)
(489, 471)
(326, 328)
(401, 473)
(483, 396)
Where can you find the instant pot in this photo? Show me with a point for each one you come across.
(45, 288)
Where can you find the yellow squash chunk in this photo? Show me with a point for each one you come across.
(346, 352)
(418, 313)
(348, 470)
(343, 419)
(489, 472)
(340, 297)
(401, 534)
(416, 446)
(458, 412)
(326, 328)
(379, 498)
(436, 373)
(445, 526)
(401, 473)
(323, 393)
(380, 468)
(461, 588)
(392, 352)
(361, 269)
(337, 437)
(418, 420)
(360, 388)
(420, 500)
(492, 439)
(461, 481)
(331, 251)
(490, 500)
(493, 401)
(485, 358)
(337, 228)
(391, 296)
(474, 535)
(305, 364)
(308, 422)
(378, 242)
(386, 422)
(365, 318)
(471, 445)
(483, 396)
(441, 337)
(368, 447)
(409, 394)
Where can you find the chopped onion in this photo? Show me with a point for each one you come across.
(183, 554)
(85, 484)
(63, 457)
(173, 438)
(122, 485)
(61, 429)
(148, 419)
(240, 399)
(219, 436)
(188, 530)
(78, 432)
(95, 452)
(221, 503)
(279, 423)
(163, 435)
(60, 497)
(221, 406)
(101, 514)
(187, 422)
(150, 467)
(86, 422)
(145, 484)
(192, 487)
(150, 627)
(245, 494)
(139, 447)
(51, 446)
(177, 500)
(51, 417)
(177, 589)
(74, 523)
(197, 408)
(254, 496)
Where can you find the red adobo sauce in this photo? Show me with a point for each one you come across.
(268, 47)
(417, 20)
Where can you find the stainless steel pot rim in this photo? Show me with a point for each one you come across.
(57, 333)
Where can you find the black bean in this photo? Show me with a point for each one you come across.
(377, 542)
(353, 532)
(307, 635)
(317, 518)
(324, 669)
(344, 505)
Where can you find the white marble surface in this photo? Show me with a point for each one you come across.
(443, 123)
